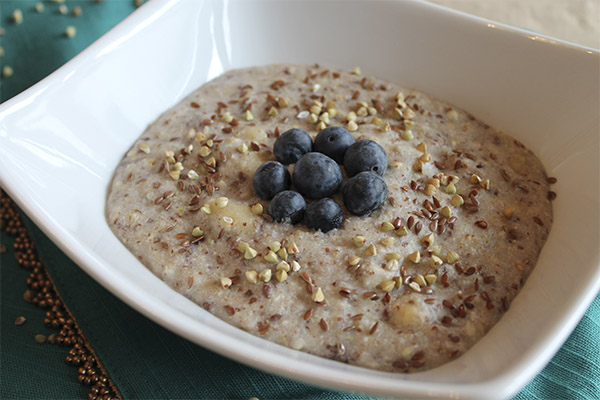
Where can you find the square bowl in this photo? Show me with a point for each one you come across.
(61, 140)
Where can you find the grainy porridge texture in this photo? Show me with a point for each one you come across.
(409, 287)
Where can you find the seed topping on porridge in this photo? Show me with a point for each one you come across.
(335, 213)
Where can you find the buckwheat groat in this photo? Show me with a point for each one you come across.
(407, 287)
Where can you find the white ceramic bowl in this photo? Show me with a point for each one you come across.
(61, 140)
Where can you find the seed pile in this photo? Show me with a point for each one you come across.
(409, 287)
(42, 293)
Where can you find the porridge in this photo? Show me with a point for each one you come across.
(407, 286)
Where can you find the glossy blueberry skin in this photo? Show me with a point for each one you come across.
(269, 179)
(292, 145)
(365, 155)
(364, 193)
(333, 141)
(288, 207)
(316, 176)
(324, 215)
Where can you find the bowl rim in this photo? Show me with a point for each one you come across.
(504, 384)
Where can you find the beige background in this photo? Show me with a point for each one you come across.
(576, 21)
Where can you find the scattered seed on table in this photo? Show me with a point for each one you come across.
(20, 320)
(17, 16)
(7, 71)
(39, 338)
(70, 31)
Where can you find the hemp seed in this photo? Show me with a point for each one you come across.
(362, 112)
(387, 242)
(359, 241)
(429, 190)
(451, 189)
(192, 174)
(315, 109)
(352, 126)
(452, 257)
(293, 248)
(295, 266)
(415, 287)
(318, 296)
(206, 209)
(392, 265)
(250, 253)
(205, 151)
(387, 226)
(407, 135)
(402, 231)
(257, 209)
(457, 200)
(226, 283)
(415, 257)
(283, 265)
(387, 286)
(281, 275)
(420, 279)
(221, 202)
(144, 148)
(428, 240)
(409, 113)
(436, 261)
(430, 279)
(371, 250)
(353, 260)
(271, 257)
(227, 117)
(275, 245)
(446, 212)
(251, 276)
(265, 275)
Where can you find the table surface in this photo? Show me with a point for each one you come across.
(143, 359)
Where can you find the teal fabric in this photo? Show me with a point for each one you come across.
(143, 359)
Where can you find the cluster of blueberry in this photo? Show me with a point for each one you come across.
(318, 176)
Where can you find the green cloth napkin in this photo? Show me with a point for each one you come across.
(143, 359)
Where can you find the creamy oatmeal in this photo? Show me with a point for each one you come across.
(408, 287)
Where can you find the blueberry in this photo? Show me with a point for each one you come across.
(316, 176)
(365, 155)
(269, 179)
(364, 193)
(292, 145)
(324, 215)
(333, 142)
(287, 206)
